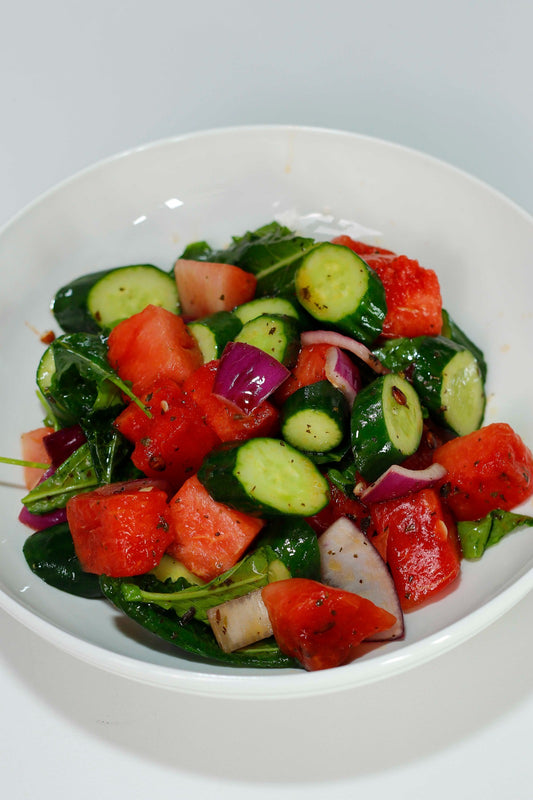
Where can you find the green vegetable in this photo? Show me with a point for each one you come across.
(271, 253)
(75, 475)
(386, 425)
(264, 476)
(125, 291)
(315, 418)
(451, 330)
(479, 534)
(50, 555)
(446, 376)
(69, 305)
(281, 306)
(190, 635)
(338, 289)
(252, 572)
(82, 381)
(295, 543)
(279, 336)
(214, 332)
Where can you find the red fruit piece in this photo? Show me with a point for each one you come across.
(152, 345)
(208, 537)
(120, 529)
(487, 469)
(173, 442)
(319, 626)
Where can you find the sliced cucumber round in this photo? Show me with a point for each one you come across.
(315, 418)
(45, 371)
(214, 332)
(267, 305)
(338, 288)
(126, 291)
(446, 375)
(275, 334)
(264, 476)
(386, 425)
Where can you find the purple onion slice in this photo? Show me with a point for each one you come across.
(346, 343)
(40, 522)
(62, 443)
(342, 373)
(246, 376)
(398, 481)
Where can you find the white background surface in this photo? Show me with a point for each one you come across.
(81, 81)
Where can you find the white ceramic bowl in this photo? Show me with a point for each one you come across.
(145, 206)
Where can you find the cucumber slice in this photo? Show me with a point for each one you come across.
(339, 289)
(280, 306)
(264, 476)
(45, 371)
(214, 332)
(315, 418)
(386, 425)
(277, 335)
(446, 375)
(171, 569)
(450, 330)
(69, 305)
(126, 291)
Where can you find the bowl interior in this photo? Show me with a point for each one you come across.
(144, 207)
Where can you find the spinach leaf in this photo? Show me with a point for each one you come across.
(190, 635)
(477, 535)
(295, 543)
(76, 474)
(50, 555)
(272, 253)
(110, 451)
(344, 476)
(252, 572)
(83, 382)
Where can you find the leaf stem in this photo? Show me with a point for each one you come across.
(19, 462)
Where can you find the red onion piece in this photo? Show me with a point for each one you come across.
(62, 443)
(246, 376)
(398, 481)
(346, 343)
(40, 522)
(342, 373)
(349, 561)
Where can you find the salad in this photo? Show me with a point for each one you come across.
(269, 455)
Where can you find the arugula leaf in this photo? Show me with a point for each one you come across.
(252, 572)
(76, 474)
(272, 253)
(479, 534)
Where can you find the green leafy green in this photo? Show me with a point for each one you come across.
(272, 253)
(50, 555)
(295, 543)
(110, 451)
(83, 381)
(76, 474)
(476, 536)
(252, 572)
(190, 635)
